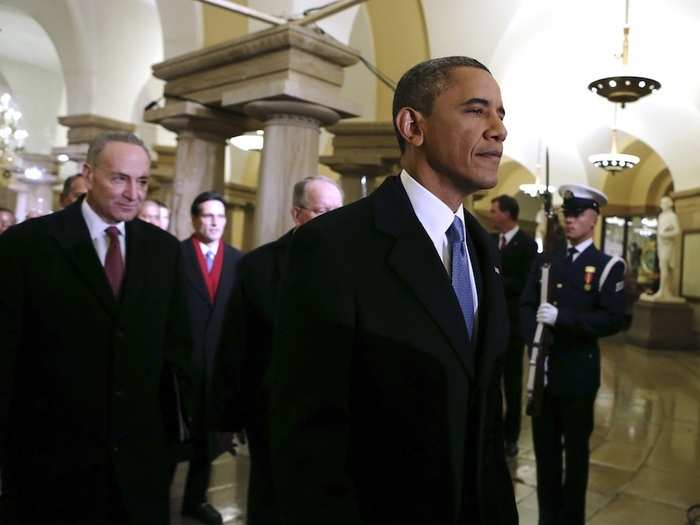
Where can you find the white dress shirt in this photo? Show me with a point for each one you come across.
(580, 247)
(206, 248)
(508, 235)
(100, 240)
(436, 217)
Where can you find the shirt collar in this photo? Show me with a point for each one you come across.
(96, 226)
(435, 216)
(510, 234)
(205, 248)
(582, 246)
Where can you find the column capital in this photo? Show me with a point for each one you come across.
(85, 127)
(191, 117)
(292, 113)
(281, 63)
(364, 148)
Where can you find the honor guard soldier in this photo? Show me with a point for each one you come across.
(586, 301)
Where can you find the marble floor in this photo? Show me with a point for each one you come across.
(645, 449)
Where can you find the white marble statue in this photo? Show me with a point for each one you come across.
(668, 232)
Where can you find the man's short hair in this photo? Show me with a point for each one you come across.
(67, 186)
(161, 204)
(100, 142)
(204, 197)
(299, 193)
(6, 210)
(421, 84)
(508, 204)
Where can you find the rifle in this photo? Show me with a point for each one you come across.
(540, 347)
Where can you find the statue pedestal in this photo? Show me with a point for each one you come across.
(662, 326)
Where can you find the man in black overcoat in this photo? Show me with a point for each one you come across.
(241, 400)
(94, 334)
(210, 271)
(385, 400)
(517, 251)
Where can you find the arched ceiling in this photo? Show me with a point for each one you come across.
(543, 53)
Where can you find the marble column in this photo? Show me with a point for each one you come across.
(363, 153)
(241, 200)
(358, 177)
(290, 153)
(162, 174)
(33, 185)
(287, 64)
(201, 154)
(82, 130)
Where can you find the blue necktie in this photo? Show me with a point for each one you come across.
(210, 260)
(461, 280)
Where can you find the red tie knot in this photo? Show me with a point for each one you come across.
(113, 233)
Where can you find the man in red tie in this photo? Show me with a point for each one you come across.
(518, 251)
(84, 412)
(210, 268)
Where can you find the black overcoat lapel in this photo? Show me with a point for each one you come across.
(73, 236)
(193, 273)
(228, 275)
(493, 317)
(138, 265)
(416, 262)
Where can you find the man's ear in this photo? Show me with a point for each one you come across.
(409, 123)
(87, 173)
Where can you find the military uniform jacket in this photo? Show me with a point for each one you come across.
(587, 311)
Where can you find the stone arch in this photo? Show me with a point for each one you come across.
(182, 25)
(32, 73)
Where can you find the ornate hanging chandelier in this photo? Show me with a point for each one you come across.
(614, 161)
(623, 89)
(12, 137)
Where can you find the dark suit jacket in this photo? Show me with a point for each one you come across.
(382, 412)
(81, 373)
(516, 261)
(206, 318)
(246, 345)
(584, 316)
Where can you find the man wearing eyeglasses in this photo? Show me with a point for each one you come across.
(244, 355)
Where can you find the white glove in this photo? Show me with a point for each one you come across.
(547, 314)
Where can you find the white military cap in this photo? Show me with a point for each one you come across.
(578, 197)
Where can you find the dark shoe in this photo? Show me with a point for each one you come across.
(511, 450)
(204, 513)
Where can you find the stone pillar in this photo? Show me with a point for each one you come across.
(290, 153)
(34, 188)
(284, 64)
(201, 154)
(242, 199)
(363, 151)
(687, 206)
(163, 175)
(82, 129)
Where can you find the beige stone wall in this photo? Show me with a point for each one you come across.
(687, 205)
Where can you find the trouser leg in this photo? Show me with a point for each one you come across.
(262, 508)
(199, 470)
(547, 438)
(578, 426)
(513, 389)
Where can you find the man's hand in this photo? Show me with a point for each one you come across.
(227, 442)
(230, 440)
(547, 314)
